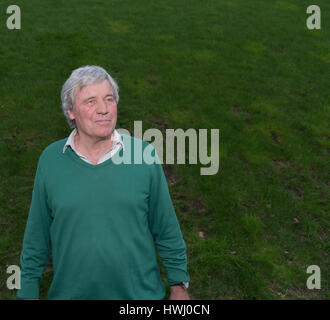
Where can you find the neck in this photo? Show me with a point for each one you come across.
(92, 148)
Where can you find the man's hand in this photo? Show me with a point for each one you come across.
(178, 293)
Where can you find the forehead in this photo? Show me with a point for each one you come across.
(98, 88)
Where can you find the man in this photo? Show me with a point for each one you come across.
(101, 220)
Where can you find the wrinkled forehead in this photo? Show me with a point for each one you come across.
(98, 88)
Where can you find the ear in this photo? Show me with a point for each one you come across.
(71, 114)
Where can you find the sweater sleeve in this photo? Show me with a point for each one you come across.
(165, 228)
(36, 244)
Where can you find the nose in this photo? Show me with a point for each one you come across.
(102, 107)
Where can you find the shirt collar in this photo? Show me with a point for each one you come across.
(70, 141)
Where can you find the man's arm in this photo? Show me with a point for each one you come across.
(178, 293)
(36, 244)
(166, 232)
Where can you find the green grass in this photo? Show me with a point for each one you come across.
(250, 68)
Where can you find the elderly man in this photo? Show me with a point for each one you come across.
(103, 221)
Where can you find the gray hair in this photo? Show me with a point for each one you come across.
(79, 78)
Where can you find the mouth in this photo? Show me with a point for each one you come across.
(103, 121)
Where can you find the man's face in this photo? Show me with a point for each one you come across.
(95, 111)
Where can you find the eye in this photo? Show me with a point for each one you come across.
(110, 99)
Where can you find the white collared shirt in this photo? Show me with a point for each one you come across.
(117, 143)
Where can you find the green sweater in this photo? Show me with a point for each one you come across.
(101, 224)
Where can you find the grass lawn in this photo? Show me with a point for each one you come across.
(250, 68)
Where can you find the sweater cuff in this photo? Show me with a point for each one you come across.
(176, 276)
(29, 290)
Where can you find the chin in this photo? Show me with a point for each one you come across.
(104, 133)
